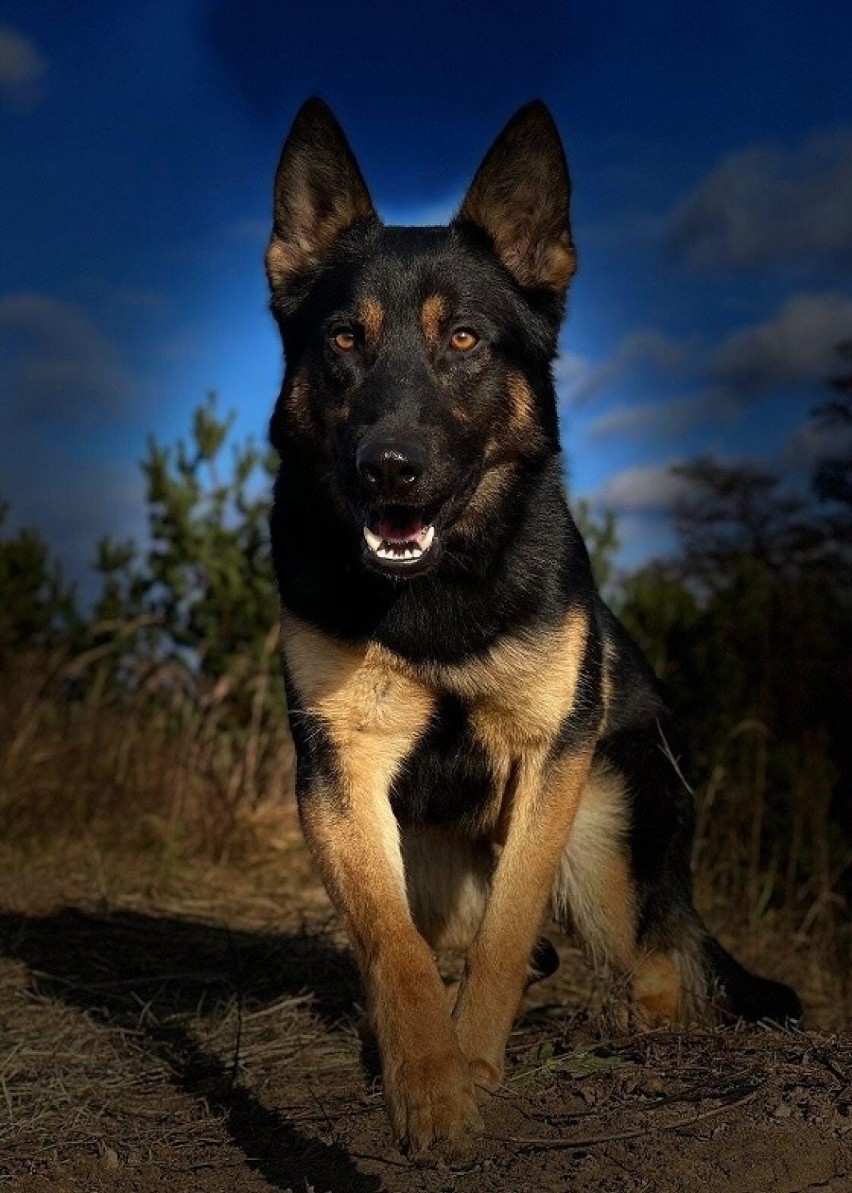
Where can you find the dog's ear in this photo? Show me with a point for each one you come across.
(520, 197)
(319, 192)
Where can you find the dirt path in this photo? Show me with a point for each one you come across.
(187, 1029)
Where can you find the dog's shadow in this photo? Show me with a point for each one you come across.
(111, 965)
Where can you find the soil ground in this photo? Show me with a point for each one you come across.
(169, 1027)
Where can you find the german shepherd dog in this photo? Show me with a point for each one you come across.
(479, 741)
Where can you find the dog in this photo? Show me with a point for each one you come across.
(479, 741)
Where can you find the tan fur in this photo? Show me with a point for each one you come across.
(518, 694)
(432, 317)
(547, 260)
(427, 1084)
(606, 680)
(373, 714)
(593, 890)
(282, 261)
(695, 1004)
(300, 240)
(594, 894)
(447, 878)
(558, 263)
(544, 804)
(486, 499)
(373, 709)
(350, 841)
(522, 689)
(522, 403)
(372, 317)
(656, 988)
(298, 408)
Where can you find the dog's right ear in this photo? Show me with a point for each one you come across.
(319, 193)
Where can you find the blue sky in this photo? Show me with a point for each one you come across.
(711, 153)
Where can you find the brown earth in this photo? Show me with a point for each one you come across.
(173, 1027)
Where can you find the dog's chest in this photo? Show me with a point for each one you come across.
(445, 740)
(494, 715)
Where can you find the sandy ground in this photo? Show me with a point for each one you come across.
(169, 1027)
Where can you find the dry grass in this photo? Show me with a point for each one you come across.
(768, 869)
(164, 772)
(165, 758)
(177, 768)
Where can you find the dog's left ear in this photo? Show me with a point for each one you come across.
(520, 197)
(319, 193)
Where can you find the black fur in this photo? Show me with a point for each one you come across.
(515, 568)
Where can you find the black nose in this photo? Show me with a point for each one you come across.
(390, 468)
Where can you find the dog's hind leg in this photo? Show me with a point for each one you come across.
(595, 895)
(625, 886)
(644, 934)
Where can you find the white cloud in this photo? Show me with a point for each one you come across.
(644, 349)
(768, 204)
(55, 364)
(22, 70)
(798, 345)
(668, 416)
(642, 488)
(571, 372)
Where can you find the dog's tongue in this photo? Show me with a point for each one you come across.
(399, 529)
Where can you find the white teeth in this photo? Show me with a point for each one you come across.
(400, 552)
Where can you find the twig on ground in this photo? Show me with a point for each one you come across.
(595, 1140)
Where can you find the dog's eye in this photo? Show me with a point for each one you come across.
(344, 339)
(463, 339)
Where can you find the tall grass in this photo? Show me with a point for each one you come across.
(143, 753)
(769, 860)
(154, 755)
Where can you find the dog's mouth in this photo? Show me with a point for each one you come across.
(399, 535)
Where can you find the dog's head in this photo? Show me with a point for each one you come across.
(418, 381)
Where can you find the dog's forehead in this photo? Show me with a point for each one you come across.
(405, 267)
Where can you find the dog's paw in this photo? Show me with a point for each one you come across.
(486, 1074)
(431, 1102)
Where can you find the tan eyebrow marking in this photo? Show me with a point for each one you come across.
(435, 310)
(371, 315)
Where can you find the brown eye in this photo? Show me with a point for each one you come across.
(462, 340)
(344, 339)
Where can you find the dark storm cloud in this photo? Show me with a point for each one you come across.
(765, 205)
(797, 346)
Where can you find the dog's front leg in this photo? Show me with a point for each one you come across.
(542, 809)
(427, 1085)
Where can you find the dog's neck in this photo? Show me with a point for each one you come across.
(530, 571)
